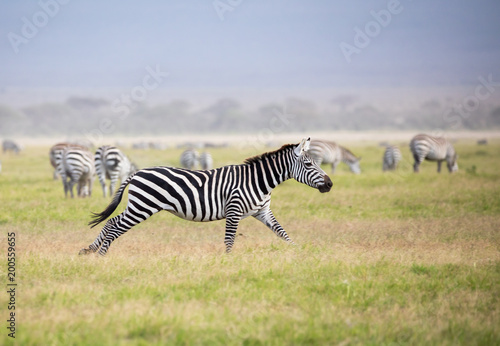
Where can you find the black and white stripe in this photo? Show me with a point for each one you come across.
(230, 192)
(111, 163)
(392, 156)
(426, 147)
(206, 160)
(76, 166)
(331, 153)
(190, 159)
(56, 151)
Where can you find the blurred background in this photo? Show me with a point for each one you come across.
(164, 68)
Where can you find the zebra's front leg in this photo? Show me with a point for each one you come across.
(266, 216)
(439, 166)
(232, 222)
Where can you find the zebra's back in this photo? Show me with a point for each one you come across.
(332, 153)
(429, 147)
(324, 152)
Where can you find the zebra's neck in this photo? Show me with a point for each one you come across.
(271, 170)
(347, 156)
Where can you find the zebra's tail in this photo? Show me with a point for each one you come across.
(100, 217)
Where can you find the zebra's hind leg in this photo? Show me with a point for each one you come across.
(439, 166)
(100, 238)
(125, 221)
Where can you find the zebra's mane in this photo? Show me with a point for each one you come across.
(261, 157)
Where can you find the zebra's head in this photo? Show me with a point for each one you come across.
(305, 170)
(354, 166)
(452, 163)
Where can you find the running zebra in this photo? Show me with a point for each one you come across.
(56, 151)
(206, 160)
(190, 159)
(425, 147)
(76, 166)
(111, 163)
(332, 153)
(392, 156)
(230, 192)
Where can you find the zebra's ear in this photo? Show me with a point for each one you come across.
(303, 146)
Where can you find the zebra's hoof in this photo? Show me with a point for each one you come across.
(84, 252)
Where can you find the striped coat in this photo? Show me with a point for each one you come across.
(206, 160)
(76, 166)
(392, 156)
(56, 151)
(331, 153)
(111, 163)
(190, 159)
(426, 147)
(230, 192)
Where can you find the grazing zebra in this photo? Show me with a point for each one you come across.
(206, 160)
(433, 149)
(392, 156)
(111, 163)
(230, 192)
(56, 151)
(10, 145)
(332, 153)
(76, 166)
(190, 159)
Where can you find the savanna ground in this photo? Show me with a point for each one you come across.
(384, 258)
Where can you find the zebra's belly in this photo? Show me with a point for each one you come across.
(433, 156)
(198, 217)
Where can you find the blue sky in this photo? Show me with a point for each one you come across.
(259, 43)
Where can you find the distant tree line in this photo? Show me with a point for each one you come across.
(79, 115)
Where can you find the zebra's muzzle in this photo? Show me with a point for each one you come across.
(326, 186)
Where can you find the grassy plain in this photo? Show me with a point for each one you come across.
(394, 258)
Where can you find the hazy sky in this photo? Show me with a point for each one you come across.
(254, 43)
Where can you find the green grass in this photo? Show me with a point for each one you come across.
(384, 258)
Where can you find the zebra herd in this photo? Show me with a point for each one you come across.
(191, 159)
(76, 164)
(237, 191)
(231, 192)
(422, 147)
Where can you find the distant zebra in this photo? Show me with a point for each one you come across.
(10, 145)
(425, 147)
(206, 160)
(111, 163)
(392, 156)
(76, 166)
(190, 159)
(332, 153)
(230, 192)
(56, 151)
